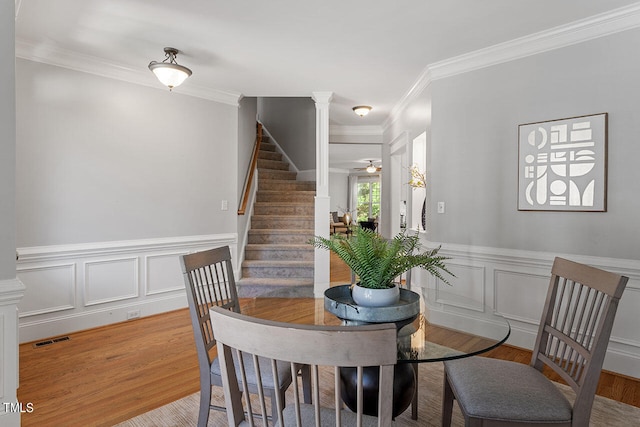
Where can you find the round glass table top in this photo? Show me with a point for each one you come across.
(448, 326)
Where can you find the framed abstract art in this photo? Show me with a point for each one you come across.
(562, 165)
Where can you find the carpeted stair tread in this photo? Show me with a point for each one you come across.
(276, 263)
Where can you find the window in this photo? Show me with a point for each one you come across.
(368, 198)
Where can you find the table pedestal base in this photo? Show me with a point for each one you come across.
(404, 385)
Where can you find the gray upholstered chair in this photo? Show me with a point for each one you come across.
(572, 340)
(324, 348)
(210, 282)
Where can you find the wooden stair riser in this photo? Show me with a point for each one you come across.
(263, 208)
(275, 253)
(278, 221)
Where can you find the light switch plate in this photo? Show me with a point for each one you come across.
(440, 207)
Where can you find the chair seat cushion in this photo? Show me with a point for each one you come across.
(327, 417)
(502, 390)
(284, 371)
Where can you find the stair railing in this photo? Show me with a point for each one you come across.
(246, 191)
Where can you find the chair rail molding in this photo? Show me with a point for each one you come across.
(80, 286)
(514, 284)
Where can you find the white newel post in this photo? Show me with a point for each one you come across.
(322, 206)
(11, 289)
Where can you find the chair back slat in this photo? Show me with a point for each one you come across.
(333, 346)
(576, 323)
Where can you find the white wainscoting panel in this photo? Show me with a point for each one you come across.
(49, 288)
(110, 280)
(520, 296)
(626, 328)
(163, 273)
(469, 282)
(514, 284)
(75, 287)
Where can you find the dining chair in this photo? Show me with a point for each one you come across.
(324, 348)
(209, 280)
(572, 340)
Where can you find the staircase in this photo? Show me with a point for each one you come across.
(278, 260)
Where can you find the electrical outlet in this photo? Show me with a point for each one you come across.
(133, 314)
(225, 205)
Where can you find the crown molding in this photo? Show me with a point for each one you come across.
(601, 25)
(96, 66)
(594, 27)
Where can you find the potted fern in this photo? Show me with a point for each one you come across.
(378, 261)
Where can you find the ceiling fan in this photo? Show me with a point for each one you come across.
(371, 168)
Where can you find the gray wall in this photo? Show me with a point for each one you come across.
(103, 160)
(292, 122)
(339, 191)
(7, 143)
(475, 117)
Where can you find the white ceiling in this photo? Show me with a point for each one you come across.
(365, 52)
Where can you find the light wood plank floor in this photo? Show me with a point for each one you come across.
(106, 375)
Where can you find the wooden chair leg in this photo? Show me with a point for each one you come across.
(205, 406)
(447, 402)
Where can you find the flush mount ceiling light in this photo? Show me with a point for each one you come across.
(169, 72)
(362, 110)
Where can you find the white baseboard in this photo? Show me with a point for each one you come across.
(68, 324)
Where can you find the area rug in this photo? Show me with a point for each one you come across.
(184, 412)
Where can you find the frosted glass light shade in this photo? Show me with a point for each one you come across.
(170, 75)
(362, 110)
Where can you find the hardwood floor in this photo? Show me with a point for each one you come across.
(103, 376)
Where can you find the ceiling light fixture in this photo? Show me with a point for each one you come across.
(169, 72)
(371, 168)
(362, 110)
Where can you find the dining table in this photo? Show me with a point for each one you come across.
(447, 326)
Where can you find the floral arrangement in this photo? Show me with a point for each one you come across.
(418, 179)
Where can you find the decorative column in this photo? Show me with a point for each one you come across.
(322, 202)
(11, 289)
